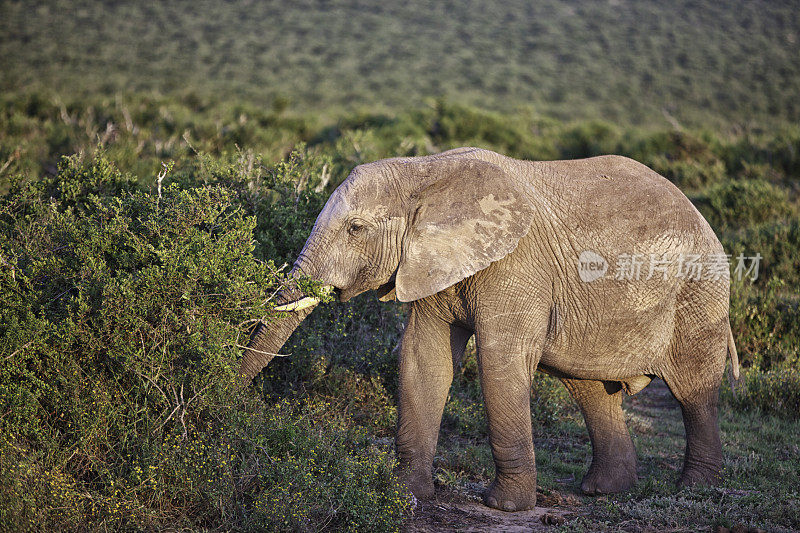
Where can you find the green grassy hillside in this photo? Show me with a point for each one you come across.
(700, 62)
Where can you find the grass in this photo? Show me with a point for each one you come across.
(697, 63)
(761, 471)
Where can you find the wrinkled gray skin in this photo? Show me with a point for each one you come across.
(482, 244)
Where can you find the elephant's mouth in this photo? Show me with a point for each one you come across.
(386, 292)
(339, 294)
(344, 295)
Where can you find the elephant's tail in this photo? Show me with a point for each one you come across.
(733, 355)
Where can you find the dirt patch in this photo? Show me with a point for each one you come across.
(451, 511)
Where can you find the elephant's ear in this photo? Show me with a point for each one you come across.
(470, 214)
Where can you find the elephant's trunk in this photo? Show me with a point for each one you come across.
(267, 339)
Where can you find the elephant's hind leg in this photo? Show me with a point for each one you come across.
(613, 467)
(694, 379)
(703, 460)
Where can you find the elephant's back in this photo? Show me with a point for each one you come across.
(612, 197)
(620, 202)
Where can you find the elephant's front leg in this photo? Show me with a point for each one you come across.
(613, 466)
(506, 383)
(427, 353)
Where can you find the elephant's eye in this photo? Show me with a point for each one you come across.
(356, 227)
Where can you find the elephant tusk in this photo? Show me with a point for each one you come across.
(303, 303)
(298, 305)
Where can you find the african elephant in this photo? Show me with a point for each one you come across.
(536, 259)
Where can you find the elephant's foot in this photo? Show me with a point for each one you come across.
(709, 474)
(618, 476)
(420, 484)
(511, 494)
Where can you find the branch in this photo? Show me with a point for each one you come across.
(262, 352)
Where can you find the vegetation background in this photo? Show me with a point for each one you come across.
(160, 162)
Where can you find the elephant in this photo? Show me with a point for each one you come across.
(536, 259)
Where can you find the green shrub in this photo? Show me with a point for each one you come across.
(314, 479)
(136, 131)
(281, 197)
(742, 203)
(777, 242)
(587, 139)
(771, 391)
(691, 175)
(766, 325)
(118, 371)
(118, 346)
(453, 125)
(688, 160)
(778, 150)
(761, 171)
(345, 353)
(466, 416)
(464, 411)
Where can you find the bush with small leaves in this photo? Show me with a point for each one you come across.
(742, 203)
(124, 313)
